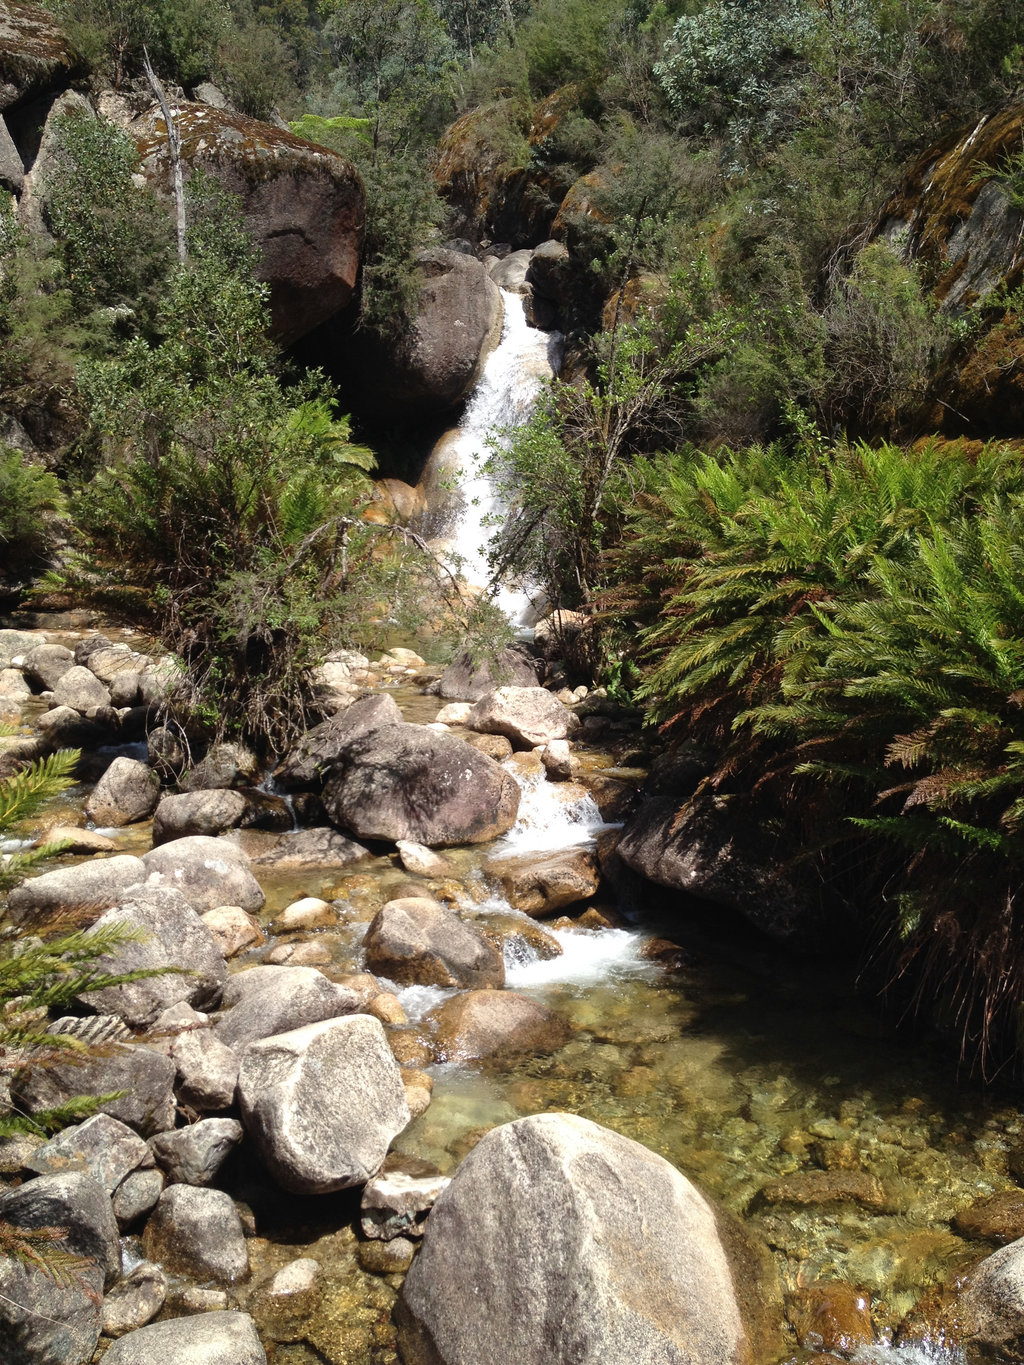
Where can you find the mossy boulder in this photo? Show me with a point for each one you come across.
(303, 205)
(36, 57)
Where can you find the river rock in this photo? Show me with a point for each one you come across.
(226, 765)
(303, 206)
(302, 765)
(76, 840)
(86, 887)
(233, 929)
(47, 1319)
(831, 1316)
(15, 644)
(422, 861)
(617, 1256)
(208, 872)
(416, 941)
(135, 1300)
(65, 728)
(396, 1204)
(824, 1187)
(80, 689)
(194, 1155)
(988, 1313)
(101, 1147)
(197, 1232)
(171, 935)
(528, 716)
(13, 685)
(478, 1024)
(279, 1000)
(286, 1302)
(323, 1103)
(207, 1070)
(128, 791)
(45, 665)
(310, 912)
(109, 661)
(408, 782)
(198, 812)
(540, 884)
(996, 1218)
(137, 1195)
(466, 679)
(494, 746)
(144, 1077)
(319, 847)
(217, 1338)
(165, 751)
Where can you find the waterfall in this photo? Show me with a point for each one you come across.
(508, 389)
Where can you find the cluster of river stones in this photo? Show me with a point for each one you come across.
(556, 1239)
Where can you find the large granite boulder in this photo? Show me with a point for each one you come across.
(303, 205)
(38, 58)
(198, 812)
(417, 941)
(408, 782)
(475, 1025)
(469, 679)
(169, 935)
(267, 1000)
(988, 1313)
(218, 1338)
(87, 888)
(208, 872)
(128, 791)
(528, 716)
(578, 1244)
(302, 765)
(48, 1319)
(323, 1103)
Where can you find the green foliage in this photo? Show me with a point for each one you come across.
(28, 497)
(843, 627)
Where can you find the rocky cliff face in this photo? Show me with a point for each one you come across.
(963, 224)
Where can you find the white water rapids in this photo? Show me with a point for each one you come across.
(509, 386)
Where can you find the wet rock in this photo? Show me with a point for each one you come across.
(407, 782)
(94, 886)
(997, 1218)
(519, 939)
(233, 930)
(386, 1258)
(396, 1204)
(323, 1103)
(207, 1070)
(308, 913)
(831, 1316)
(302, 765)
(388, 1009)
(557, 760)
(194, 1155)
(617, 1255)
(320, 847)
(227, 765)
(528, 716)
(76, 840)
(197, 1232)
(144, 1078)
(494, 746)
(136, 1195)
(825, 1187)
(80, 689)
(171, 935)
(198, 812)
(44, 1318)
(286, 1302)
(208, 872)
(421, 861)
(467, 680)
(542, 884)
(420, 942)
(988, 1314)
(303, 206)
(101, 1147)
(410, 1048)
(134, 1301)
(286, 999)
(479, 1024)
(45, 665)
(218, 1338)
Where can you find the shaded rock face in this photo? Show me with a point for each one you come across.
(408, 782)
(36, 57)
(417, 941)
(323, 1103)
(302, 765)
(303, 205)
(579, 1245)
(434, 364)
(703, 850)
(989, 1311)
(966, 233)
(145, 1078)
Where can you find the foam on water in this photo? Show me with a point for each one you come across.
(509, 386)
(548, 822)
(589, 957)
(417, 1001)
(929, 1351)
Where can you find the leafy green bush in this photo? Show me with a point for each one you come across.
(28, 495)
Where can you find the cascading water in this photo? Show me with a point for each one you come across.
(512, 378)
